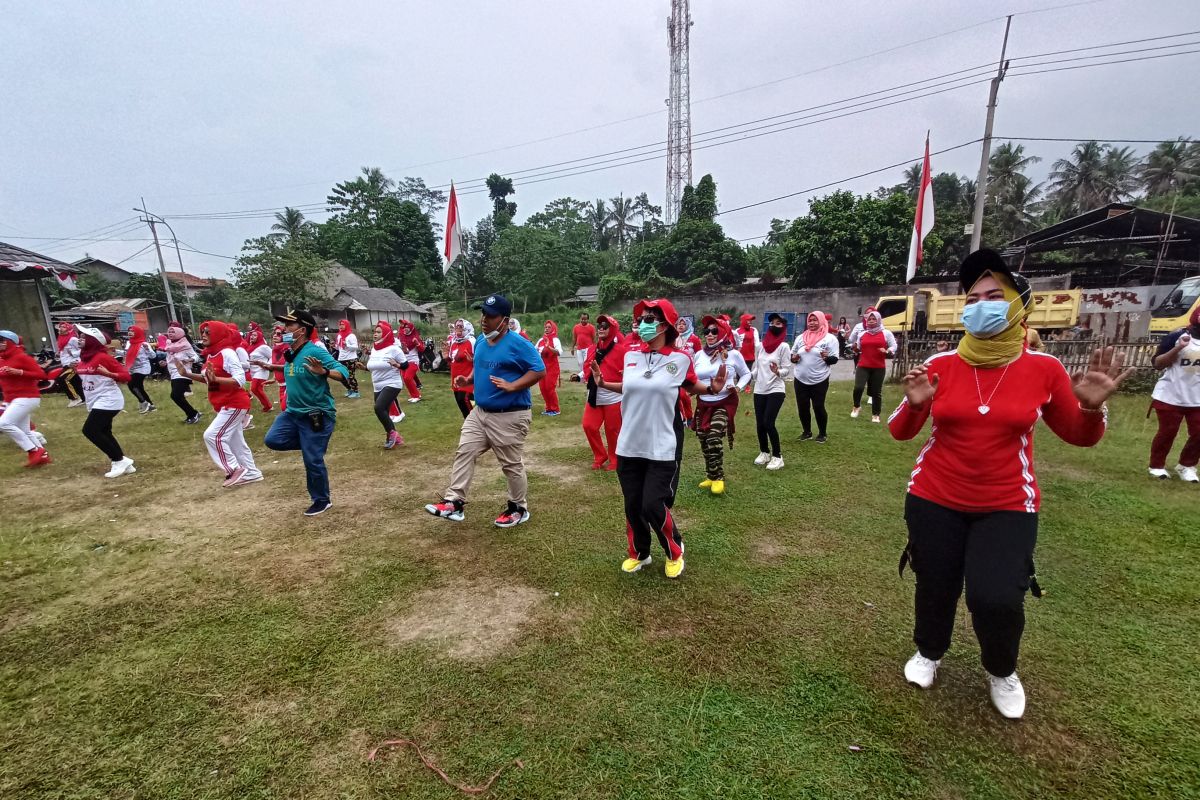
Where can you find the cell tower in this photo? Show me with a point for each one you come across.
(679, 110)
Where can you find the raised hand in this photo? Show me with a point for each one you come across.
(1101, 379)
(313, 365)
(918, 388)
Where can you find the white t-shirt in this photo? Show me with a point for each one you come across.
(855, 332)
(187, 356)
(138, 363)
(1179, 384)
(651, 425)
(766, 381)
(349, 349)
(737, 373)
(102, 392)
(261, 353)
(811, 369)
(244, 359)
(383, 374)
(68, 356)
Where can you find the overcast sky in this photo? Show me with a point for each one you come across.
(223, 106)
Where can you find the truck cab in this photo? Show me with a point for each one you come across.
(1176, 308)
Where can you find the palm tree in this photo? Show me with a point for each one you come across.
(597, 216)
(290, 225)
(1015, 207)
(1079, 183)
(912, 181)
(1169, 166)
(620, 215)
(1006, 167)
(642, 208)
(1120, 173)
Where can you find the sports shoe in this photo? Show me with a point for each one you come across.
(447, 509)
(1008, 695)
(704, 484)
(804, 437)
(393, 439)
(634, 564)
(151, 407)
(248, 478)
(1187, 473)
(74, 404)
(598, 464)
(37, 436)
(875, 418)
(921, 670)
(1161, 474)
(513, 515)
(37, 457)
(193, 420)
(718, 487)
(234, 477)
(762, 459)
(821, 439)
(249, 423)
(775, 463)
(674, 567)
(143, 407)
(551, 413)
(854, 413)
(414, 399)
(122, 467)
(352, 395)
(396, 420)
(318, 508)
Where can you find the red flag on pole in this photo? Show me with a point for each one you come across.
(453, 231)
(923, 221)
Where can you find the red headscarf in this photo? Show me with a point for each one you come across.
(547, 340)
(409, 338)
(772, 340)
(63, 338)
(1195, 318)
(744, 322)
(724, 335)
(813, 338)
(237, 338)
(220, 336)
(254, 336)
(137, 337)
(90, 346)
(343, 332)
(388, 339)
(278, 348)
(614, 329)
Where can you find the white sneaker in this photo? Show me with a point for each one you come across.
(248, 423)
(74, 404)
(1187, 473)
(1008, 695)
(122, 467)
(143, 407)
(414, 399)
(396, 420)
(775, 463)
(762, 459)
(854, 414)
(875, 418)
(41, 440)
(921, 670)
(1161, 474)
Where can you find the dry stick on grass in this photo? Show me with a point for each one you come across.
(440, 773)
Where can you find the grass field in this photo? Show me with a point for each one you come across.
(161, 637)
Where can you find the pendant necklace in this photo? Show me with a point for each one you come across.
(649, 365)
(985, 407)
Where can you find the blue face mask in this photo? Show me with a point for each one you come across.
(287, 338)
(985, 318)
(647, 331)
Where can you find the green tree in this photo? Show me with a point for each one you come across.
(291, 226)
(846, 240)
(599, 218)
(270, 270)
(1079, 183)
(503, 210)
(1170, 167)
(621, 215)
(696, 248)
(536, 265)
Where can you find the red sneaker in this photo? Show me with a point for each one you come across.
(37, 458)
(512, 516)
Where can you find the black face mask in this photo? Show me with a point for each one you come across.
(777, 329)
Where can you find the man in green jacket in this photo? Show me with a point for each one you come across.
(307, 424)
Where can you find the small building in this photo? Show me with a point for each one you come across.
(103, 269)
(24, 306)
(194, 284)
(584, 296)
(365, 306)
(118, 314)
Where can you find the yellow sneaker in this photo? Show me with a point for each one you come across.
(718, 487)
(674, 567)
(634, 564)
(704, 484)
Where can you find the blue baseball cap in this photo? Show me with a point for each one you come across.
(496, 305)
(12, 337)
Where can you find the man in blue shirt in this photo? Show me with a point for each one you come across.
(506, 366)
(307, 424)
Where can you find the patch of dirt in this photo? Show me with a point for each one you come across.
(467, 620)
(765, 549)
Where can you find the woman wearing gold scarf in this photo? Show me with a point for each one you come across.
(972, 503)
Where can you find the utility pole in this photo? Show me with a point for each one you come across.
(162, 267)
(985, 158)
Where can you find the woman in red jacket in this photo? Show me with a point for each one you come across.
(102, 375)
(462, 365)
(972, 504)
(19, 376)
(550, 349)
(603, 406)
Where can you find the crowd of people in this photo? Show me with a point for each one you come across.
(972, 503)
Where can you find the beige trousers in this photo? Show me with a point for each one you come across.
(504, 434)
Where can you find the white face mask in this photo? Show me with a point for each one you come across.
(492, 335)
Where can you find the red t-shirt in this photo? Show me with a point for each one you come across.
(460, 364)
(585, 335)
(13, 387)
(225, 395)
(977, 462)
(869, 353)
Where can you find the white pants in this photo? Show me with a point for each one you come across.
(581, 357)
(15, 421)
(227, 444)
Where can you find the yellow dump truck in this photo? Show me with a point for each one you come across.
(930, 310)
(1176, 308)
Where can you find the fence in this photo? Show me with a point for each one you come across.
(1073, 353)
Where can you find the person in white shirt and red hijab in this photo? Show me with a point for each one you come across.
(602, 408)
(102, 377)
(973, 501)
(716, 412)
(550, 349)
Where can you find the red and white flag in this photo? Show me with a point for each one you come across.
(923, 221)
(454, 243)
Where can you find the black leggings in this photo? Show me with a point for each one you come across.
(98, 429)
(383, 402)
(137, 387)
(464, 400)
(180, 387)
(766, 411)
(351, 382)
(870, 378)
(993, 553)
(812, 394)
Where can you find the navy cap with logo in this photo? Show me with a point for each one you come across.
(496, 305)
(299, 316)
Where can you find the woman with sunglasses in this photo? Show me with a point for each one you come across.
(650, 446)
(716, 410)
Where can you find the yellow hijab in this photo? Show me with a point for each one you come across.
(1005, 347)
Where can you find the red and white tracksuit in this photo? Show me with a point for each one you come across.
(224, 438)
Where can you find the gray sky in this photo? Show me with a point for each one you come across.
(222, 106)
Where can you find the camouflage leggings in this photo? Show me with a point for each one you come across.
(712, 444)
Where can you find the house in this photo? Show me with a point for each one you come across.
(103, 269)
(23, 302)
(194, 284)
(365, 306)
(338, 277)
(584, 296)
(118, 314)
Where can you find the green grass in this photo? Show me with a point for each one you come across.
(163, 638)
